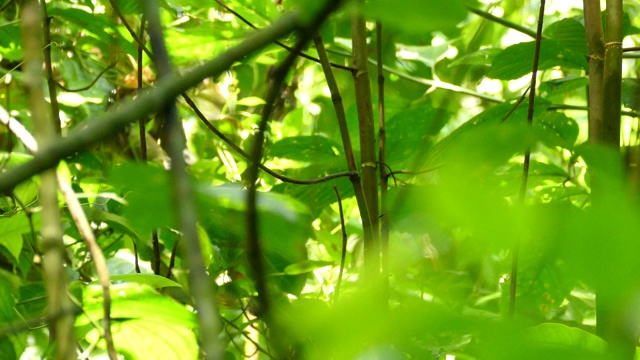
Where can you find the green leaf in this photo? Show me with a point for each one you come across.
(251, 101)
(144, 322)
(155, 281)
(306, 266)
(145, 188)
(313, 149)
(562, 337)
(516, 61)
(570, 34)
(417, 16)
(11, 231)
(631, 93)
(11, 42)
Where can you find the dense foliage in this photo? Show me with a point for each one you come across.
(430, 276)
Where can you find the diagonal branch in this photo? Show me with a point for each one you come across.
(105, 126)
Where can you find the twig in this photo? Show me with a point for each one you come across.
(262, 167)
(343, 255)
(48, 66)
(172, 259)
(253, 342)
(93, 82)
(527, 160)
(504, 22)
(515, 106)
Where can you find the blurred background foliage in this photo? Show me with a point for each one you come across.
(451, 78)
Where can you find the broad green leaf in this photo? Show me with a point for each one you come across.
(517, 60)
(306, 266)
(631, 93)
(562, 337)
(417, 16)
(482, 57)
(11, 231)
(251, 101)
(135, 301)
(11, 42)
(558, 87)
(569, 33)
(144, 322)
(411, 131)
(146, 189)
(154, 281)
(313, 149)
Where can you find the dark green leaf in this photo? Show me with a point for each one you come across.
(517, 60)
(313, 149)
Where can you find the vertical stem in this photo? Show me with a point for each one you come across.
(48, 65)
(344, 245)
(341, 116)
(59, 306)
(384, 177)
(173, 134)
(612, 81)
(367, 148)
(595, 45)
(527, 159)
(613, 302)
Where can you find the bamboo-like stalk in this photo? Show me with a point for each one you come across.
(595, 45)
(347, 146)
(384, 176)
(56, 279)
(612, 81)
(368, 158)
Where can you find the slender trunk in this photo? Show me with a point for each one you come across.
(595, 44)
(368, 158)
(59, 304)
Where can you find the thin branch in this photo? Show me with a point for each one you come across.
(282, 45)
(382, 158)
(503, 22)
(527, 160)
(343, 255)
(172, 259)
(246, 156)
(253, 342)
(48, 66)
(174, 140)
(341, 117)
(105, 126)
(93, 82)
(515, 106)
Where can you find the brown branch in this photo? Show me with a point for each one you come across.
(48, 66)
(384, 178)
(527, 160)
(93, 82)
(343, 255)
